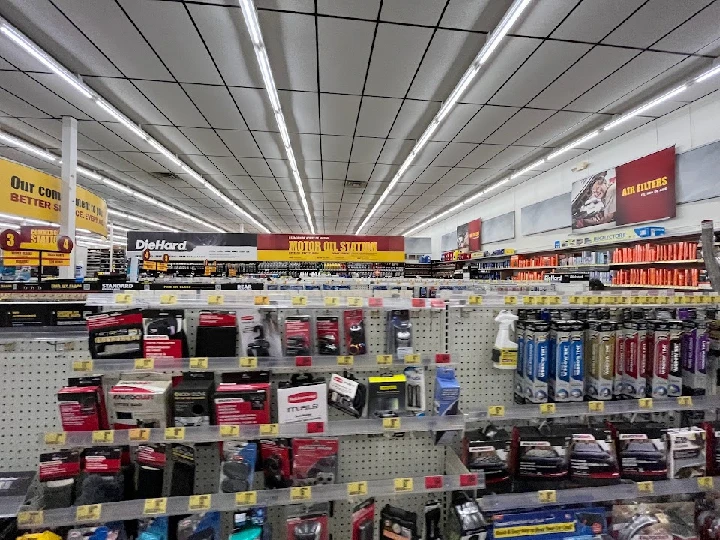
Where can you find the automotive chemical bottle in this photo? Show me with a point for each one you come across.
(675, 372)
(559, 362)
(542, 353)
(505, 352)
(529, 360)
(520, 371)
(577, 360)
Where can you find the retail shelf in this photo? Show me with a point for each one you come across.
(285, 364)
(652, 263)
(14, 491)
(205, 434)
(464, 299)
(570, 267)
(671, 287)
(501, 412)
(228, 502)
(605, 265)
(43, 333)
(630, 490)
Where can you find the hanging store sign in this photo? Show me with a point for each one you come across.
(29, 193)
(333, 248)
(193, 246)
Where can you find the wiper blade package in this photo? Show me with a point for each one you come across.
(118, 334)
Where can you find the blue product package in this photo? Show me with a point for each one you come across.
(153, 529)
(238, 467)
(199, 526)
(447, 392)
(559, 361)
(539, 381)
(529, 360)
(520, 370)
(563, 524)
(577, 360)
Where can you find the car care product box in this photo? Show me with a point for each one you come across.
(302, 399)
(217, 334)
(315, 461)
(142, 401)
(193, 399)
(327, 331)
(415, 390)
(347, 394)
(538, 460)
(465, 521)
(566, 523)
(164, 334)
(297, 336)
(566, 361)
(675, 379)
(386, 396)
(600, 359)
(447, 392)
(243, 398)
(696, 343)
(117, 334)
(537, 362)
(635, 359)
(659, 358)
(686, 452)
(520, 380)
(712, 450)
(489, 454)
(641, 450)
(619, 374)
(577, 360)
(82, 404)
(593, 460)
(363, 521)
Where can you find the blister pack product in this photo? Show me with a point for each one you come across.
(259, 333)
(151, 460)
(363, 521)
(117, 334)
(164, 334)
(696, 343)
(635, 359)
(600, 359)
(355, 341)
(641, 450)
(217, 334)
(58, 472)
(519, 379)
(654, 520)
(302, 399)
(243, 398)
(659, 361)
(237, 470)
(537, 460)
(297, 336)
(327, 330)
(399, 333)
(315, 461)
(141, 402)
(447, 392)
(101, 481)
(686, 452)
(570, 523)
(308, 527)
(193, 399)
(398, 524)
(252, 524)
(184, 461)
(276, 463)
(489, 455)
(465, 521)
(675, 374)
(205, 526)
(153, 529)
(347, 394)
(386, 396)
(415, 390)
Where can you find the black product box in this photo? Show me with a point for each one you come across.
(16, 315)
(164, 333)
(386, 396)
(116, 334)
(217, 334)
(641, 450)
(537, 460)
(592, 457)
(193, 399)
(489, 455)
(70, 314)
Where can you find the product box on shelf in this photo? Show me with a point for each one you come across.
(297, 336)
(243, 398)
(447, 392)
(327, 330)
(193, 399)
(654, 520)
(386, 396)
(164, 334)
(399, 333)
(217, 334)
(566, 365)
(363, 521)
(686, 452)
(537, 360)
(355, 341)
(117, 334)
(237, 469)
(641, 450)
(489, 455)
(659, 364)
(675, 375)
(519, 381)
(592, 457)
(696, 344)
(600, 359)
(259, 333)
(315, 461)
(415, 390)
(558, 524)
(397, 524)
(70, 314)
(276, 462)
(82, 404)
(635, 359)
(141, 402)
(465, 521)
(302, 399)
(712, 448)
(313, 526)
(538, 460)
(347, 394)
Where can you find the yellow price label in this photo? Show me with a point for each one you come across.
(200, 502)
(682, 299)
(269, 429)
(300, 493)
(496, 410)
(345, 360)
(216, 299)
(83, 365)
(384, 359)
(144, 363)
(704, 482)
(299, 300)
(575, 300)
(139, 434)
(33, 518)
(88, 512)
(707, 299)
(596, 406)
(661, 299)
(510, 300)
(248, 362)
(246, 498)
(175, 433)
(262, 300)
(55, 438)
(547, 408)
(354, 301)
(547, 496)
(412, 358)
(199, 362)
(646, 487)
(229, 431)
(391, 423)
(403, 485)
(123, 298)
(541, 300)
(475, 300)
(168, 299)
(529, 300)
(594, 299)
(332, 301)
(645, 403)
(155, 506)
(103, 436)
(554, 300)
(357, 489)
(610, 299)
(685, 401)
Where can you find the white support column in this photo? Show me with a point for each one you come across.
(242, 227)
(69, 181)
(112, 245)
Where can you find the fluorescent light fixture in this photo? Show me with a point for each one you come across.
(528, 169)
(124, 120)
(143, 220)
(709, 73)
(635, 112)
(165, 152)
(88, 173)
(45, 59)
(13, 141)
(573, 144)
(501, 30)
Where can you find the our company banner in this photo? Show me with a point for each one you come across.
(332, 248)
(639, 191)
(29, 193)
(193, 246)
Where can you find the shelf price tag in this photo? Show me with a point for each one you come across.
(357, 489)
(301, 493)
(354, 301)
(403, 485)
(175, 433)
(315, 427)
(168, 299)
(139, 434)
(88, 512)
(704, 482)
(646, 487)
(262, 301)
(123, 298)
(384, 359)
(511, 300)
(144, 363)
(496, 411)
(230, 431)
(442, 358)
(554, 300)
(434, 482)
(55, 438)
(468, 480)
(216, 299)
(391, 423)
(685, 401)
(103, 436)
(83, 365)
(299, 300)
(303, 361)
(332, 301)
(547, 496)
(246, 498)
(645, 403)
(547, 408)
(375, 302)
(541, 300)
(34, 518)
(345, 360)
(412, 358)
(269, 429)
(529, 300)
(596, 406)
(248, 362)
(574, 299)
(155, 506)
(420, 302)
(475, 300)
(199, 362)
(200, 502)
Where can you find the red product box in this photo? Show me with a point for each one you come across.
(297, 336)
(315, 461)
(154, 455)
(82, 408)
(242, 403)
(59, 465)
(102, 460)
(363, 520)
(313, 526)
(328, 335)
(276, 464)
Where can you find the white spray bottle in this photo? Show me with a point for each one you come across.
(504, 355)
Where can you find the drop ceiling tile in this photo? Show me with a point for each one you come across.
(111, 136)
(695, 34)
(217, 106)
(479, 177)
(542, 17)
(170, 99)
(338, 113)
(27, 159)
(453, 153)
(271, 144)
(360, 171)
(561, 124)
(206, 140)
(333, 186)
(204, 165)
(396, 151)
(432, 175)
(113, 160)
(301, 111)
(256, 109)
(424, 12)
(334, 170)
(306, 146)
(383, 173)
(481, 15)
(344, 49)
(377, 116)
(396, 56)
(254, 167)
(280, 170)
(241, 143)
(15, 106)
(152, 163)
(336, 148)
(454, 121)
(126, 97)
(509, 156)
(34, 92)
(487, 120)
(276, 196)
(414, 117)
(312, 169)
(480, 155)
(292, 52)
(591, 21)
(366, 150)
(518, 125)
(367, 9)
(293, 5)
(428, 154)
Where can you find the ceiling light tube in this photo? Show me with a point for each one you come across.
(25, 146)
(165, 152)
(528, 168)
(709, 73)
(507, 22)
(251, 21)
(88, 173)
(124, 120)
(657, 101)
(573, 144)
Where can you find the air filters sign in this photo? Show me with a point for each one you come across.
(330, 248)
(227, 247)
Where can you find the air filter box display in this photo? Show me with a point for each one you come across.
(217, 334)
(641, 450)
(117, 334)
(140, 403)
(302, 399)
(386, 396)
(193, 399)
(164, 334)
(243, 398)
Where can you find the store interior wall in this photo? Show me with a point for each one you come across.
(690, 127)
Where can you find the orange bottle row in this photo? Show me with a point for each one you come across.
(677, 251)
(683, 277)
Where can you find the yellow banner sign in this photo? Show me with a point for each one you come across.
(33, 194)
(336, 248)
(32, 258)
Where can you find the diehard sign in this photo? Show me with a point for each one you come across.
(183, 246)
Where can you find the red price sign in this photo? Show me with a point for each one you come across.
(468, 480)
(10, 240)
(437, 303)
(442, 358)
(418, 302)
(303, 361)
(315, 427)
(65, 245)
(375, 302)
(166, 258)
(146, 254)
(433, 482)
